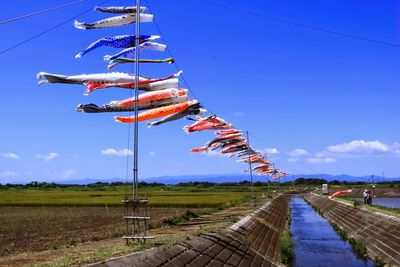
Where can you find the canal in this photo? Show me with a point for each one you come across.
(385, 202)
(315, 241)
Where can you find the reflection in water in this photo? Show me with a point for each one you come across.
(315, 241)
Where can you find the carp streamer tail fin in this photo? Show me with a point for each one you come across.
(81, 25)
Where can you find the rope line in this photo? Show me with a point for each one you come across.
(48, 30)
(41, 12)
(310, 27)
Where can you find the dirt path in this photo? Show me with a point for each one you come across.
(252, 241)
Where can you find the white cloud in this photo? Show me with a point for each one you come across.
(48, 157)
(67, 174)
(293, 159)
(152, 154)
(272, 151)
(8, 174)
(114, 152)
(359, 147)
(298, 152)
(396, 148)
(62, 175)
(321, 160)
(10, 155)
(213, 153)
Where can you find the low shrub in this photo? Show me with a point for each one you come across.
(358, 247)
(55, 247)
(287, 250)
(356, 203)
(188, 215)
(378, 262)
(343, 234)
(72, 242)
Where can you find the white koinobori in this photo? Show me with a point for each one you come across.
(125, 19)
(111, 79)
(120, 9)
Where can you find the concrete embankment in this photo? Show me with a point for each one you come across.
(263, 228)
(379, 232)
(253, 241)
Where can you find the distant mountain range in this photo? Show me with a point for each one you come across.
(221, 178)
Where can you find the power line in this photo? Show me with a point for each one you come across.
(41, 12)
(310, 27)
(48, 30)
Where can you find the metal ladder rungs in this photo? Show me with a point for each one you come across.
(138, 237)
(139, 218)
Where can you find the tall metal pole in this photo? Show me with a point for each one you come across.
(251, 171)
(268, 187)
(136, 102)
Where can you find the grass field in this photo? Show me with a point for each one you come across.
(112, 195)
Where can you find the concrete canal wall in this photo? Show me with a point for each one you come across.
(379, 232)
(263, 228)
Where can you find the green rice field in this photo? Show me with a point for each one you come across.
(113, 195)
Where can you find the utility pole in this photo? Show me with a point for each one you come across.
(138, 219)
(251, 172)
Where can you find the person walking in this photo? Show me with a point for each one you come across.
(369, 197)
(365, 196)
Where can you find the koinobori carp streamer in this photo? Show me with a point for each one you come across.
(121, 20)
(119, 41)
(142, 47)
(143, 81)
(193, 109)
(209, 123)
(147, 100)
(111, 79)
(93, 108)
(157, 112)
(340, 193)
(114, 62)
(120, 9)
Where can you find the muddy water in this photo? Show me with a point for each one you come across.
(315, 241)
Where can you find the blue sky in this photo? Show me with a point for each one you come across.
(316, 102)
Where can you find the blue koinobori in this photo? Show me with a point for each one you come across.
(131, 50)
(119, 41)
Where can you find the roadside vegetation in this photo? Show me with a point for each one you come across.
(287, 249)
(187, 216)
(342, 233)
(358, 246)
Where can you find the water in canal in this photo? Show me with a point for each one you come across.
(389, 202)
(315, 241)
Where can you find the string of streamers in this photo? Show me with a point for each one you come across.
(163, 100)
